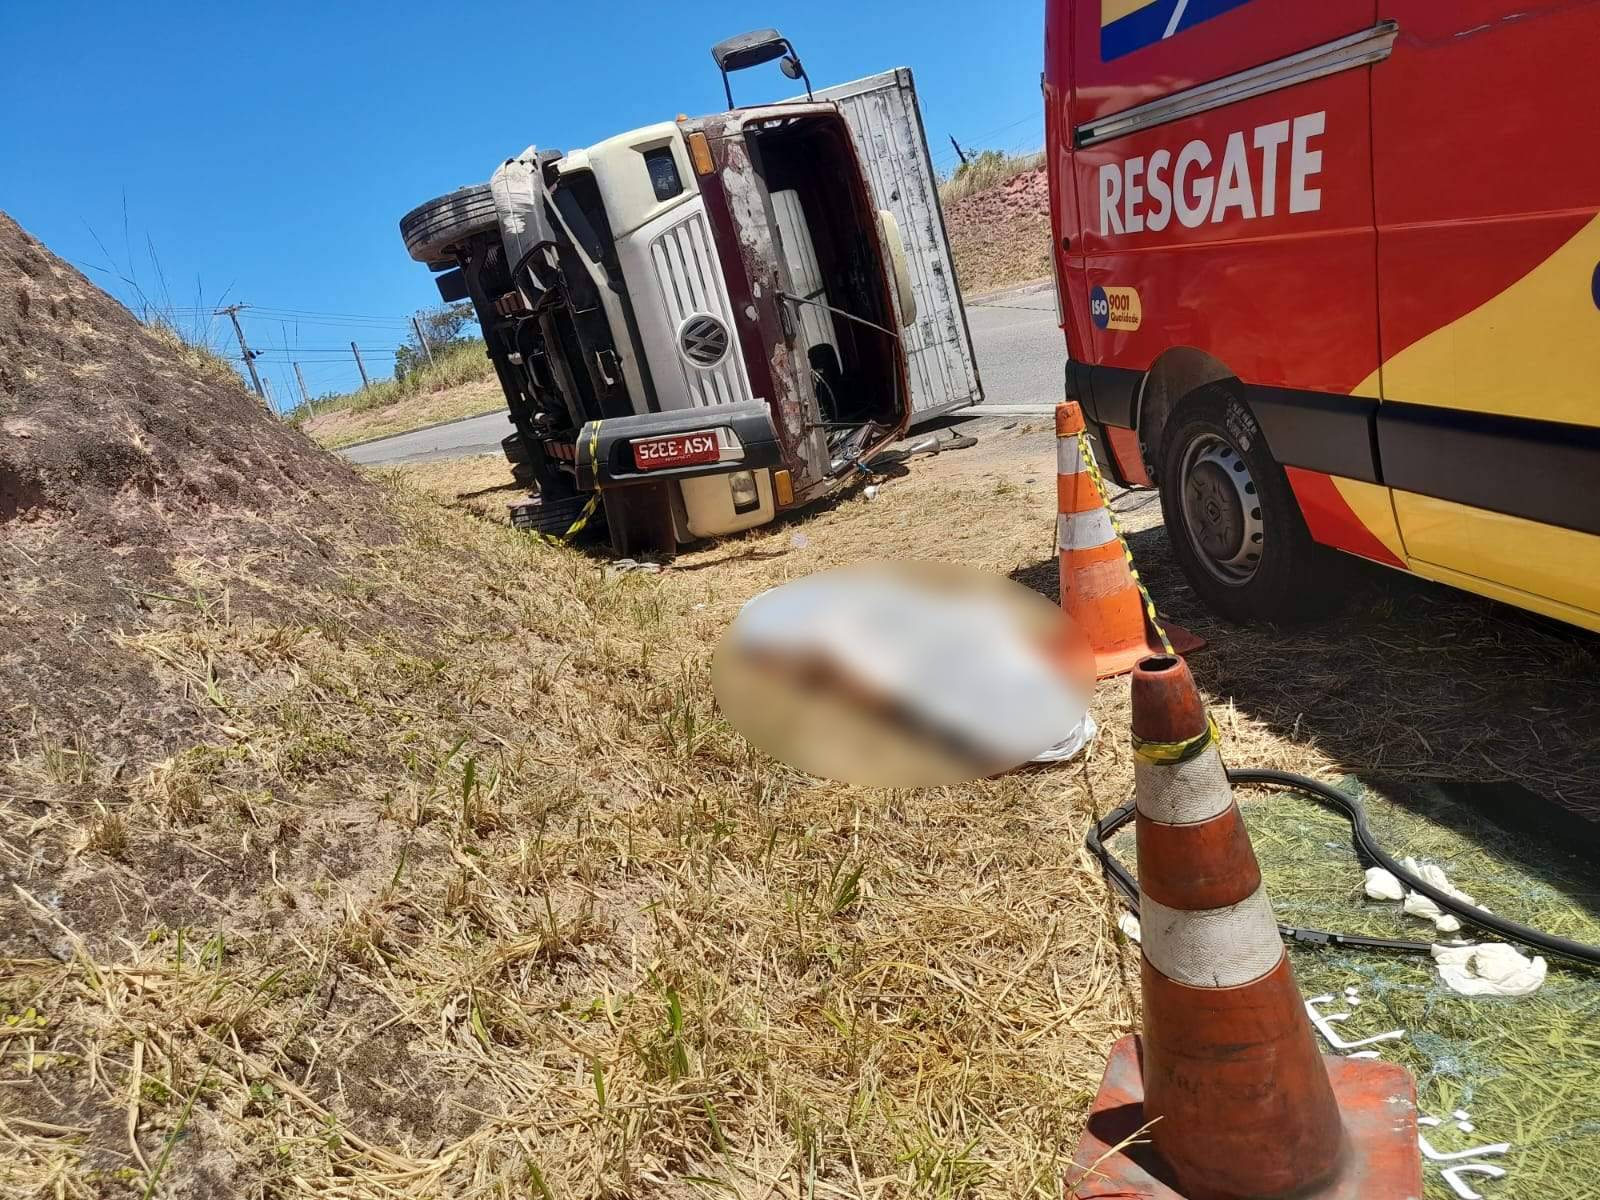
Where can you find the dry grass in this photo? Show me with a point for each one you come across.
(468, 891)
(984, 171)
(480, 484)
(461, 383)
(487, 901)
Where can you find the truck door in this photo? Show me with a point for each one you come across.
(886, 124)
(1487, 189)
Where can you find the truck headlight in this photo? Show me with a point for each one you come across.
(746, 495)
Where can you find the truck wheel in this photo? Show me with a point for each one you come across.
(1234, 523)
(639, 520)
(553, 516)
(523, 472)
(430, 230)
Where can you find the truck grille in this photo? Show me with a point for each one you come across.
(690, 278)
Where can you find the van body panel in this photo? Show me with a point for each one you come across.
(1451, 264)
(1488, 245)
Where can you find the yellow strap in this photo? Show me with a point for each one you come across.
(594, 501)
(1086, 452)
(1170, 754)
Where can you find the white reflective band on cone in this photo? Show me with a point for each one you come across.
(1184, 793)
(1069, 456)
(1211, 947)
(1085, 530)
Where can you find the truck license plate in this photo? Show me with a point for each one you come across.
(675, 450)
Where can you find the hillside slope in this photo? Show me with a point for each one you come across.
(1000, 236)
(123, 453)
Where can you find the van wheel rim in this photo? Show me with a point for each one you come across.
(1222, 510)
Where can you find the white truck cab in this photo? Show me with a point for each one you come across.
(705, 320)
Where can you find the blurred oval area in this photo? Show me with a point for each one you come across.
(905, 674)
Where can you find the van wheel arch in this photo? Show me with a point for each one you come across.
(1177, 374)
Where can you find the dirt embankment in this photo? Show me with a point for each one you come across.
(1001, 235)
(122, 452)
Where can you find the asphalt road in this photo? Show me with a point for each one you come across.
(1014, 335)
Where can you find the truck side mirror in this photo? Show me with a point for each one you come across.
(751, 50)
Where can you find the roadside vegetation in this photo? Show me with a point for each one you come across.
(997, 212)
(357, 845)
(459, 383)
(985, 170)
(457, 380)
(463, 887)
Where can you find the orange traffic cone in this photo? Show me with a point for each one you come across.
(1098, 587)
(1239, 1103)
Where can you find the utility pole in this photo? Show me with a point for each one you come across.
(272, 404)
(305, 399)
(960, 153)
(245, 352)
(360, 366)
(423, 338)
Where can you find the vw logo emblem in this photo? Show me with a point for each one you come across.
(703, 340)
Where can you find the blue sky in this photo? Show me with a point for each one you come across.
(268, 150)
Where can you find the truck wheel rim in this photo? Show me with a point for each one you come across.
(1221, 510)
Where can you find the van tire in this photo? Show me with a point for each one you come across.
(433, 229)
(1232, 518)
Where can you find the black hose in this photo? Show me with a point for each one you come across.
(1368, 848)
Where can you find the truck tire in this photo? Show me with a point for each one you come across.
(1233, 521)
(554, 517)
(430, 230)
(523, 471)
(639, 521)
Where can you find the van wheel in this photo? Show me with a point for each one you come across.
(1233, 521)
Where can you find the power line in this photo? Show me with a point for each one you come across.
(297, 349)
(977, 139)
(305, 313)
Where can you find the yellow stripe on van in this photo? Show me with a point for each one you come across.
(1373, 508)
(1115, 10)
(1533, 350)
(1552, 571)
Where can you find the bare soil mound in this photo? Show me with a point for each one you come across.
(1001, 235)
(123, 451)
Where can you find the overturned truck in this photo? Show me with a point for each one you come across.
(713, 319)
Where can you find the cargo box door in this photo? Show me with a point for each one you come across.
(886, 124)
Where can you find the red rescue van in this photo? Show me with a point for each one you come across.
(1330, 274)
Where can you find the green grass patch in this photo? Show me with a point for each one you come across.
(1521, 1068)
